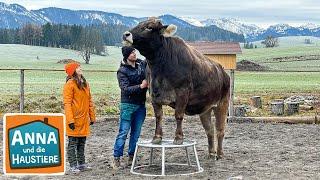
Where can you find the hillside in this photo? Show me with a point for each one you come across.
(23, 56)
(292, 54)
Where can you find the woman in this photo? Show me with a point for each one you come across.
(80, 114)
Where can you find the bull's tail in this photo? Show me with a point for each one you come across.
(148, 77)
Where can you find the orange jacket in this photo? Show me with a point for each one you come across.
(79, 109)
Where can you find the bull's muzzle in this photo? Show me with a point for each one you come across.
(127, 37)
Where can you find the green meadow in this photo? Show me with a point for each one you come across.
(293, 47)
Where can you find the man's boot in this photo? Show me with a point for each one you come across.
(129, 161)
(116, 163)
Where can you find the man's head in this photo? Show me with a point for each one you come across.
(129, 54)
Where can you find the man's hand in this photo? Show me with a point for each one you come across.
(144, 84)
(71, 126)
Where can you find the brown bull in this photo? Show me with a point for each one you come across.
(184, 79)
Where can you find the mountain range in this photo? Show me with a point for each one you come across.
(254, 33)
(15, 16)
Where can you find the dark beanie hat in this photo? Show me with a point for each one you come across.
(126, 51)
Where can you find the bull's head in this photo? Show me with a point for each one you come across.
(147, 35)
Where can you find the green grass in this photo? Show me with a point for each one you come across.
(261, 54)
(276, 82)
(41, 83)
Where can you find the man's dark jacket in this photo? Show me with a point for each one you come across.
(129, 79)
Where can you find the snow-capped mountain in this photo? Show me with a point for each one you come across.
(170, 19)
(313, 27)
(66, 16)
(14, 15)
(233, 25)
(193, 21)
(253, 33)
(282, 30)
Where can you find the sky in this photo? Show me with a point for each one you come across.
(260, 12)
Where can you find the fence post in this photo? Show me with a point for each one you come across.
(231, 111)
(21, 90)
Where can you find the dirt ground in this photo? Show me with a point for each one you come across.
(252, 151)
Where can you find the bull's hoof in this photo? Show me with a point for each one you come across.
(213, 156)
(219, 155)
(156, 140)
(178, 141)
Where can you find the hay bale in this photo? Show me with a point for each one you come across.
(246, 65)
(66, 61)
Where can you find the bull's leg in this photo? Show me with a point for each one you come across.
(179, 133)
(220, 113)
(181, 103)
(209, 127)
(157, 108)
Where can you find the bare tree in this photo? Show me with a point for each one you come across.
(85, 53)
(91, 43)
(270, 42)
(87, 46)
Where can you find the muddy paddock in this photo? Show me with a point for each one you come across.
(252, 151)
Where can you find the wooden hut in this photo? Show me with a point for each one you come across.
(224, 53)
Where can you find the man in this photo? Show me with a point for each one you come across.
(133, 85)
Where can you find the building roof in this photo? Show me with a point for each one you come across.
(207, 47)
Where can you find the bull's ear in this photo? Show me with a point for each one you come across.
(169, 30)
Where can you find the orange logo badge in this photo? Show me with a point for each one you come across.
(34, 144)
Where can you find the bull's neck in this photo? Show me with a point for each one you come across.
(156, 51)
(150, 52)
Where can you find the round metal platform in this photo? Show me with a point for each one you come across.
(166, 144)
